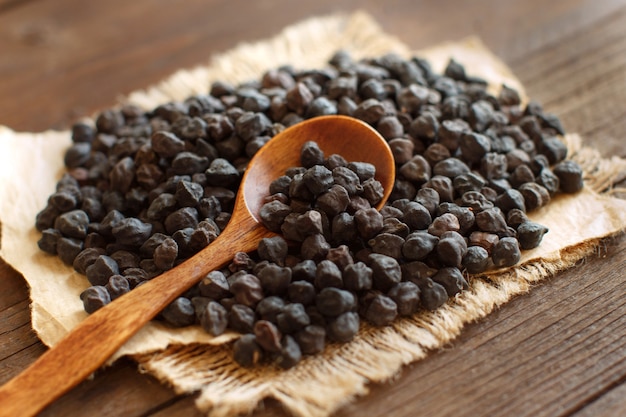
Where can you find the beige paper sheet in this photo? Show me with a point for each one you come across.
(189, 359)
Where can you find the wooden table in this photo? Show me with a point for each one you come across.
(559, 350)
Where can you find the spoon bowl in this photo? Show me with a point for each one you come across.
(342, 135)
(101, 334)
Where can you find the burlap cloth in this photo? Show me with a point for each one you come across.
(188, 359)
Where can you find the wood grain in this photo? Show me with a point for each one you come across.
(609, 405)
(581, 102)
(119, 390)
(559, 350)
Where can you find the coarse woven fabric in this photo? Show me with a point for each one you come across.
(190, 360)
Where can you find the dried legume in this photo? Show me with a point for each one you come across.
(148, 189)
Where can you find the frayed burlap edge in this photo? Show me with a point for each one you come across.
(321, 384)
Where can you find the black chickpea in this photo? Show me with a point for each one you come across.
(160, 186)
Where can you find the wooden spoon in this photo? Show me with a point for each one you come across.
(102, 333)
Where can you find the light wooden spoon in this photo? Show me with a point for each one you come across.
(99, 336)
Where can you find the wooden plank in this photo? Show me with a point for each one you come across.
(120, 388)
(612, 404)
(15, 316)
(14, 319)
(18, 336)
(114, 392)
(6, 5)
(19, 348)
(98, 53)
(583, 80)
(180, 407)
(82, 59)
(20, 359)
(14, 288)
(566, 354)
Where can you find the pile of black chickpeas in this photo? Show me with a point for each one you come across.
(146, 190)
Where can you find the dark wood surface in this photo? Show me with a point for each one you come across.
(559, 350)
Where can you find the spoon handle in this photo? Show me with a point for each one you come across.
(100, 335)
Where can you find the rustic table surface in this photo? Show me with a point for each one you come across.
(558, 351)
